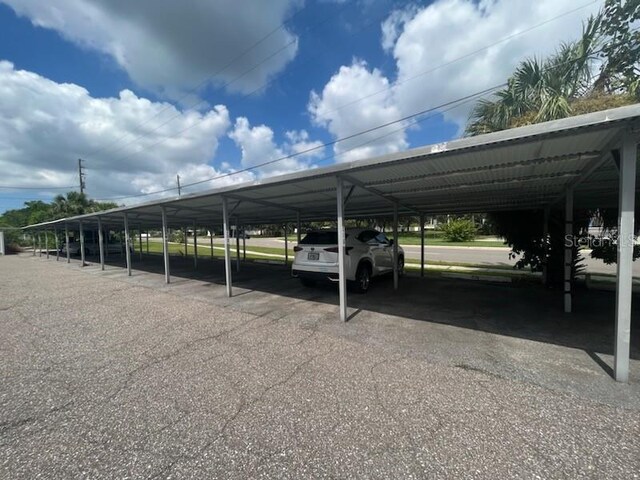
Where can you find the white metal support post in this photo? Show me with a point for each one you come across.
(195, 247)
(244, 244)
(422, 245)
(211, 242)
(33, 237)
(237, 246)
(186, 242)
(101, 243)
(39, 245)
(165, 247)
(568, 249)
(140, 241)
(227, 253)
(286, 245)
(342, 274)
(147, 242)
(127, 243)
(626, 211)
(46, 243)
(82, 256)
(2, 250)
(55, 239)
(66, 242)
(395, 246)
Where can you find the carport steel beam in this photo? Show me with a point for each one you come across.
(127, 243)
(227, 253)
(342, 279)
(628, 166)
(165, 246)
(101, 243)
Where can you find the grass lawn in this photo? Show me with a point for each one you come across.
(437, 239)
(218, 250)
(440, 242)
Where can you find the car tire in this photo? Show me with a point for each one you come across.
(400, 266)
(363, 278)
(307, 282)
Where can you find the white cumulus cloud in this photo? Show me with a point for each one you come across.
(258, 147)
(170, 47)
(45, 126)
(332, 108)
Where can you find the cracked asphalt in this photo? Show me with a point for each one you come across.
(102, 377)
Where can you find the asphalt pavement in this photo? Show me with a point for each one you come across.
(108, 376)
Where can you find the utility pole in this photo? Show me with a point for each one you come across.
(81, 175)
(178, 178)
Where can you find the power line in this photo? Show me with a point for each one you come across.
(438, 108)
(225, 85)
(9, 187)
(205, 80)
(510, 37)
(324, 145)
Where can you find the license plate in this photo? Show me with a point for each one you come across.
(313, 256)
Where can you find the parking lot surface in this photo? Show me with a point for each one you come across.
(106, 376)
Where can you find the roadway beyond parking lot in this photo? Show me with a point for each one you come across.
(106, 376)
(474, 255)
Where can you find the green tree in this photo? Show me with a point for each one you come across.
(37, 211)
(74, 203)
(541, 89)
(621, 50)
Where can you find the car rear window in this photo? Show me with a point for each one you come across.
(320, 238)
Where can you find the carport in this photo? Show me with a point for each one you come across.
(587, 161)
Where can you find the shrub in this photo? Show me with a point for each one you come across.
(459, 231)
(176, 236)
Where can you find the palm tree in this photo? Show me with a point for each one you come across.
(73, 203)
(541, 90)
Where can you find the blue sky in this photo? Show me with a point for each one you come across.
(146, 90)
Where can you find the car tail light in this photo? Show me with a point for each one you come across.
(297, 249)
(335, 249)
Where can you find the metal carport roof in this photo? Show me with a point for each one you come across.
(526, 167)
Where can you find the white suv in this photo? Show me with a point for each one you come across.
(369, 253)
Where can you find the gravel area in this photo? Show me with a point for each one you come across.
(105, 378)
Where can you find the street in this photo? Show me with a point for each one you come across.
(487, 256)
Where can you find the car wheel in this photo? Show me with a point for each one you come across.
(363, 278)
(308, 282)
(400, 266)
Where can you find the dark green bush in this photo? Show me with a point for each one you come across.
(459, 231)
